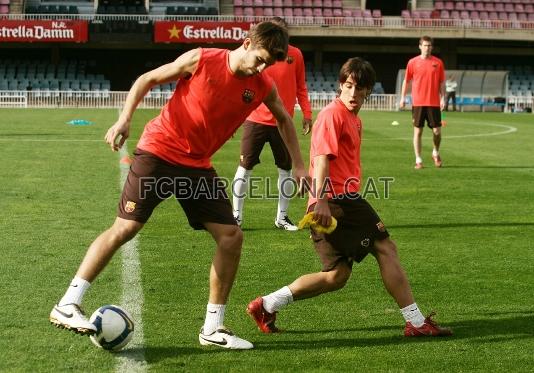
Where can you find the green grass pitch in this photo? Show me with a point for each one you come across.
(465, 235)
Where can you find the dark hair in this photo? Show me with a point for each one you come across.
(270, 36)
(360, 70)
(279, 21)
(427, 39)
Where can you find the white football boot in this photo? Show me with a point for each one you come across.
(71, 317)
(285, 224)
(224, 338)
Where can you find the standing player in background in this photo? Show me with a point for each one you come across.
(428, 97)
(336, 172)
(260, 128)
(215, 92)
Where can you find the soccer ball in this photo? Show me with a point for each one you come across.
(114, 327)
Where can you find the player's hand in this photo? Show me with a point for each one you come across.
(303, 180)
(402, 103)
(322, 214)
(121, 129)
(306, 126)
(442, 104)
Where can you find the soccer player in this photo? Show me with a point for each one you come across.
(336, 171)
(428, 97)
(260, 127)
(216, 90)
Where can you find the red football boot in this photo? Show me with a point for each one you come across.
(263, 319)
(429, 328)
(437, 160)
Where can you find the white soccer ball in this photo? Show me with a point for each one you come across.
(114, 327)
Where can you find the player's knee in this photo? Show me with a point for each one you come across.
(124, 230)
(231, 240)
(338, 277)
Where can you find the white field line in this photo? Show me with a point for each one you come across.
(132, 359)
(507, 130)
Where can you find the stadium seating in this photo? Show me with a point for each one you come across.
(505, 13)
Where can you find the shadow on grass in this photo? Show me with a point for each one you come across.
(460, 225)
(503, 167)
(518, 325)
(490, 327)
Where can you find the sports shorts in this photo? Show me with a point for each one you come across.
(430, 114)
(254, 137)
(151, 180)
(358, 227)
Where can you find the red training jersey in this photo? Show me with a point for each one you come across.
(290, 79)
(205, 110)
(337, 133)
(427, 75)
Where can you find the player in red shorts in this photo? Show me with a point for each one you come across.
(427, 74)
(335, 168)
(260, 128)
(215, 92)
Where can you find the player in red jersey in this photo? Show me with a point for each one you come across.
(215, 92)
(336, 171)
(427, 74)
(260, 128)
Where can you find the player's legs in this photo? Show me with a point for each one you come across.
(393, 275)
(252, 142)
(286, 186)
(418, 120)
(434, 122)
(229, 239)
(314, 284)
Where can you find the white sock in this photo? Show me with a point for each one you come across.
(435, 153)
(418, 160)
(239, 189)
(214, 317)
(412, 314)
(275, 301)
(74, 294)
(285, 190)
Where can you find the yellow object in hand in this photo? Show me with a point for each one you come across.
(307, 221)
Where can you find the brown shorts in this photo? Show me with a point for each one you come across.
(430, 114)
(358, 227)
(254, 137)
(199, 191)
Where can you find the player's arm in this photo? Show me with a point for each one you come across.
(183, 66)
(405, 85)
(321, 212)
(302, 95)
(288, 133)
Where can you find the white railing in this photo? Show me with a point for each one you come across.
(155, 100)
(115, 99)
(385, 23)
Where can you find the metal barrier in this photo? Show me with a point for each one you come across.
(381, 23)
(153, 100)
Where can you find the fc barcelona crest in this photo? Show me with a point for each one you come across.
(248, 96)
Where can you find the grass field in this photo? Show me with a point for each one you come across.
(465, 234)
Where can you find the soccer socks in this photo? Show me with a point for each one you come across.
(275, 301)
(214, 317)
(413, 315)
(285, 190)
(435, 153)
(75, 292)
(239, 189)
(418, 160)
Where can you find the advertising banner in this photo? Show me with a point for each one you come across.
(44, 31)
(200, 32)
